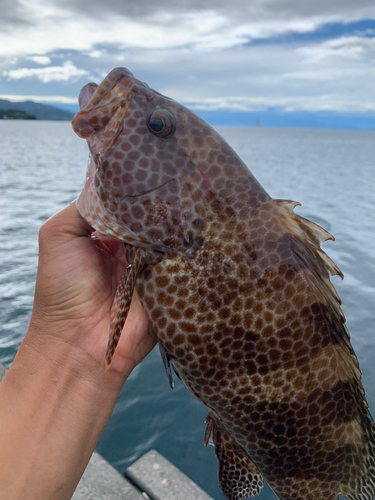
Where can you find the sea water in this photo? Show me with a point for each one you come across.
(332, 173)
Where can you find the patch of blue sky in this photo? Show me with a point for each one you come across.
(365, 28)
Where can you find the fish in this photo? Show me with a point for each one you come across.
(237, 290)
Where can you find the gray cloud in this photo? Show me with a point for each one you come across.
(139, 9)
(255, 12)
(195, 52)
(208, 25)
(13, 13)
(286, 16)
(64, 73)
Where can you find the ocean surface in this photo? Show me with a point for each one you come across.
(332, 173)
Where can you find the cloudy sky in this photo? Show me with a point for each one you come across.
(237, 55)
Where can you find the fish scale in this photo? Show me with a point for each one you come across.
(238, 292)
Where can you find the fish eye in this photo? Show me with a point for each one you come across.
(161, 123)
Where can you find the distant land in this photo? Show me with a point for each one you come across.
(40, 111)
(15, 114)
(274, 117)
(277, 117)
(270, 117)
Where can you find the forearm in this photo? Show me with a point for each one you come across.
(55, 403)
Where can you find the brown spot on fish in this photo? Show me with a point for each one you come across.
(162, 281)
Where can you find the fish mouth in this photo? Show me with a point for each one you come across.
(100, 121)
(102, 109)
(142, 193)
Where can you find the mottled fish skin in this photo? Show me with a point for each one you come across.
(238, 292)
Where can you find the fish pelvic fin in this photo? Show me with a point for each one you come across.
(238, 477)
(167, 365)
(121, 303)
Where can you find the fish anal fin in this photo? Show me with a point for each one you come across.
(238, 477)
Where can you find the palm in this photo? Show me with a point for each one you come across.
(80, 275)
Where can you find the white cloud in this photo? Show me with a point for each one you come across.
(262, 76)
(348, 47)
(64, 73)
(197, 52)
(287, 104)
(40, 59)
(96, 54)
(207, 26)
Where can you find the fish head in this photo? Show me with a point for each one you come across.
(153, 164)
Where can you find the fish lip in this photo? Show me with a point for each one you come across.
(92, 93)
(101, 140)
(86, 93)
(119, 84)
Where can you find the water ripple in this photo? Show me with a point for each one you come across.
(331, 173)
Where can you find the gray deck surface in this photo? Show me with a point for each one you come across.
(101, 481)
(161, 480)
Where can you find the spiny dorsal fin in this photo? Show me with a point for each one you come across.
(300, 226)
(331, 266)
(317, 267)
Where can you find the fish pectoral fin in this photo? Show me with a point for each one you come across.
(238, 476)
(121, 303)
(167, 364)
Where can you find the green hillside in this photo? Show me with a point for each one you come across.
(15, 114)
(40, 111)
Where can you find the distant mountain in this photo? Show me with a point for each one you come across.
(40, 111)
(74, 108)
(271, 117)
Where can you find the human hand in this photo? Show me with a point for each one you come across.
(77, 277)
(56, 399)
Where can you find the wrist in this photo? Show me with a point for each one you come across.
(56, 401)
(53, 358)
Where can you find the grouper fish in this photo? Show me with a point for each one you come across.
(238, 293)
